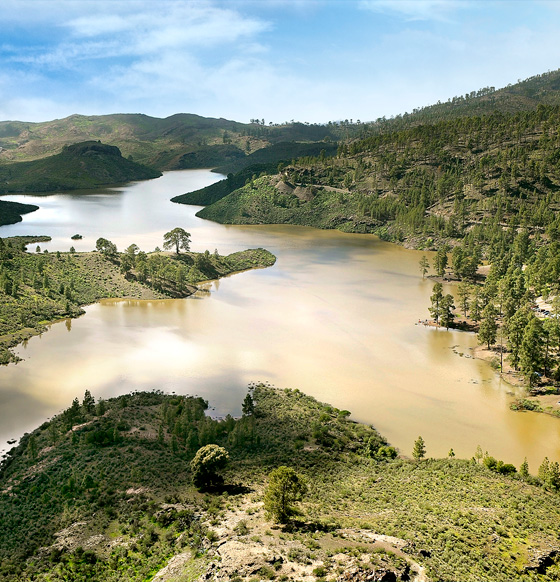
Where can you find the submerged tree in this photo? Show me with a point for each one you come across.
(436, 298)
(424, 266)
(447, 307)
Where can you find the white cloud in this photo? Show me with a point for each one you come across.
(416, 9)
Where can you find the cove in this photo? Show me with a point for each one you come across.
(336, 317)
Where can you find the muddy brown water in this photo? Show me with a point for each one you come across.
(336, 317)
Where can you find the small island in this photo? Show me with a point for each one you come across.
(39, 288)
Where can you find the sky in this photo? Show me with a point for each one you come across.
(279, 60)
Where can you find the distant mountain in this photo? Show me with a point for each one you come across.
(176, 142)
(83, 165)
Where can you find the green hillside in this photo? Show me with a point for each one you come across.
(440, 180)
(83, 165)
(524, 95)
(264, 161)
(11, 212)
(177, 142)
(104, 492)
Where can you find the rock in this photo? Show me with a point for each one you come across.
(357, 574)
(542, 560)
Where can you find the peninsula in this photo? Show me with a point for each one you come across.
(39, 288)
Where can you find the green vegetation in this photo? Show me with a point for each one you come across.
(285, 487)
(442, 181)
(82, 165)
(208, 463)
(104, 491)
(419, 450)
(180, 141)
(36, 289)
(10, 212)
(177, 238)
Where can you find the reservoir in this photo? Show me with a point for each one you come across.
(336, 316)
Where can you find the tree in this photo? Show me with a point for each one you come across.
(127, 263)
(550, 336)
(464, 293)
(206, 465)
(530, 351)
(132, 250)
(475, 304)
(248, 406)
(436, 299)
(524, 469)
(88, 403)
(178, 238)
(515, 330)
(419, 450)
(424, 266)
(440, 262)
(488, 327)
(106, 248)
(285, 487)
(447, 307)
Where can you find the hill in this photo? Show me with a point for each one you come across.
(430, 182)
(263, 161)
(11, 212)
(177, 142)
(524, 95)
(104, 491)
(79, 166)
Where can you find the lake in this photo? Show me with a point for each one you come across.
(336, 316)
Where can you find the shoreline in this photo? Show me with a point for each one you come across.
(105, 280)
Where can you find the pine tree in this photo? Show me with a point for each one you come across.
(524, 469)
(464, 293)
(488, 327)
(419, 450)
(447, 307)
(530, 351)
(436, 299)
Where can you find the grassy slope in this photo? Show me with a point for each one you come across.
(264, 161)
(55, 285)
(260, 202)
(118, 485)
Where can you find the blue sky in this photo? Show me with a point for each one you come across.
(308, 60)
